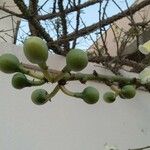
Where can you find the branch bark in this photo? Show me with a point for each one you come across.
(34, 22)
(67, 11)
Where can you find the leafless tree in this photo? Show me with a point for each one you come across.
(62, 25)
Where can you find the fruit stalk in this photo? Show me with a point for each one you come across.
(36, 83)
(64, 71)
(53, 93)
(69, 93)
(115, 89)
(47, 75)
(31, 73)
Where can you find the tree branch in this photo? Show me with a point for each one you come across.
(140, 148)
(94, 27)
(64, 24)
(34, 22)
(67, 11)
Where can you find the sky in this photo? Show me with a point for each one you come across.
(90, 15)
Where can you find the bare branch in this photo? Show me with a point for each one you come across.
(94, 27)
(38, 26)
(67, 11)
(64, 24)
(140, 148)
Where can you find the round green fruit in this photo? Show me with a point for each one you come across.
(90, 95)
(35, 50)
(9, 63)
(39, 96)
(109, 97)
(128, 91)
(76, 60)
(19, 81)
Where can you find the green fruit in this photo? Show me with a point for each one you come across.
(9, 63)
(76, 60)
(39, 96)
(19, 81)
(128, 91)
(109, 97)
(90, 95)
(35, 50)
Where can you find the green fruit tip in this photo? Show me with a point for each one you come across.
(35, 50)
(38, 96)
(76, 60)
(109, 97)
(128, 91)
(90, 95)
(9, 63)
(20, 81)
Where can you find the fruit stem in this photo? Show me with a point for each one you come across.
(115, 89)
(31, 73)
(43, 66)
(36, 83)
(47, 75)
(64, 71)
(53, 93)
(70, 93)
(45, 71)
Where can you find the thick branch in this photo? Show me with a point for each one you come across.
(77, 25)
(33, 6)
(34, 22)
(82, 77)
(63, 23)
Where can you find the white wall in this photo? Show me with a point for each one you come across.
(68, 123)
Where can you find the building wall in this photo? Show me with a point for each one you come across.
(67, 123)
(123, 24)
(8, 23)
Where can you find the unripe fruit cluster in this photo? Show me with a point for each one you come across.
(36, 51)
(127, 92)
